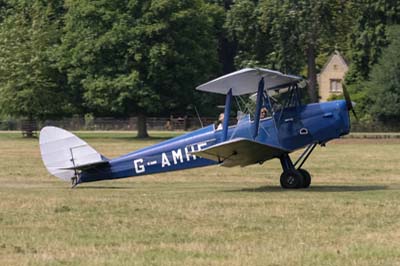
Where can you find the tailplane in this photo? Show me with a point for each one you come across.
(65, 155)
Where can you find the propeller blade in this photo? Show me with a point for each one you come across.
(354, 113)
(349, 103)
(347, 98)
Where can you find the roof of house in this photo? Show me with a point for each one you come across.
(336, 52)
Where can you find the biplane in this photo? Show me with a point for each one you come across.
(254, 139)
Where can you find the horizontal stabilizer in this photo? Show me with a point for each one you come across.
(86, 166)
(241, 152)
(63, 153)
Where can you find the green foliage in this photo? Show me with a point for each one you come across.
(383, 87)
(130, 57)
(139, 56)
(30, 84)
(368, 36)
(334, 97)
(284, 35)
(377, 97)
(279, 22)
(264, 35)
(241, 25)
(3, 9)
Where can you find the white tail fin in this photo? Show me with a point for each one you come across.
(63, 153)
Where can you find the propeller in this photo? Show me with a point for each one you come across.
(349, 103)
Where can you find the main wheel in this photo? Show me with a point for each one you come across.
(307, 177)
(292, 179)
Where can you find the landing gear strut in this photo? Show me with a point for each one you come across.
(293, 177)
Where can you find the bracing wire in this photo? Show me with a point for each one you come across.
(198, 116)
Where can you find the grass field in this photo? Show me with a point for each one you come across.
(205, 216)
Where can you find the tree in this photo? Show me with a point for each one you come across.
(368, 36)
(243, 29)
(3, 8)
(30, 84)
(279, 25)
(383, 87)
(137, 57)
(226, 44)
(301, 26)
(367, 39)
(284, 35)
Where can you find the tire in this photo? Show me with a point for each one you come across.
(292, 179)
(307, 177)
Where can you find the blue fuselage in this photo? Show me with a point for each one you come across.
(290, 129)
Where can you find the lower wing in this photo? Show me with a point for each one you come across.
(240, 152)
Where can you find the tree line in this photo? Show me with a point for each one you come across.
(141, 57)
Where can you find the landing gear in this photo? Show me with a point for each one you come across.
(76, 179)
(307, 177)
(293, 177)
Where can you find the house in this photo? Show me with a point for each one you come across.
(331, 77)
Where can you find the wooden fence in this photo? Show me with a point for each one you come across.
(108, 123)
(153, 123)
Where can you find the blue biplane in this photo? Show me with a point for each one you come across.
(252, 140)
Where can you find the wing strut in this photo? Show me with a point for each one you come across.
(258, 107)
(227, 111)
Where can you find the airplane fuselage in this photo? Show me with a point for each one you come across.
(291, 129)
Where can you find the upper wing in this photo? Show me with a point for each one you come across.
(246, 81)
(240, 152)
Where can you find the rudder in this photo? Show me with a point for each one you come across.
(64, 154)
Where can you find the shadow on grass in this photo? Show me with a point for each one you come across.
(104, 187)
(312, 189)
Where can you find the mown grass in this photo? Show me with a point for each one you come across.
(204, 216)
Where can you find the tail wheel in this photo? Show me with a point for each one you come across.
(292, 179)
(307, 177)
